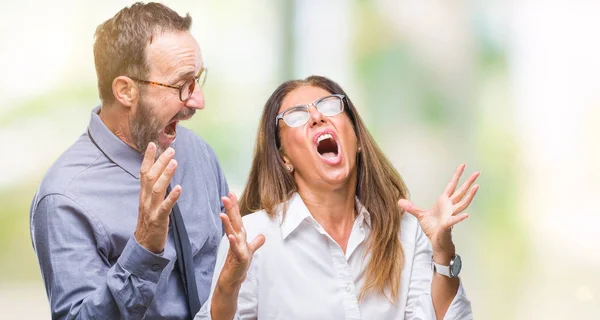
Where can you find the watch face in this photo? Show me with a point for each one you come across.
(456, 266)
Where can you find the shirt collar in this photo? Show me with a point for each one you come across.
(298, 212)
(113, 148)
(295, 214)
(363, 213)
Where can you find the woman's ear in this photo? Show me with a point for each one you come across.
(286, 162)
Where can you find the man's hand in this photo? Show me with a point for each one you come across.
(154, 208)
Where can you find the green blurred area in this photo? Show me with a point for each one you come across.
(426, 118)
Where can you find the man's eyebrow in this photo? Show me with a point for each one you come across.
(184, 75)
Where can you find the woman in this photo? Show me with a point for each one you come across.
(328, 207)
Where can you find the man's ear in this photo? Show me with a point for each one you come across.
(125, 91)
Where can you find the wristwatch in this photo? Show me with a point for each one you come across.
(450, 271)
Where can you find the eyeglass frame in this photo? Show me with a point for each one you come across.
(306, 106)
(202, 71)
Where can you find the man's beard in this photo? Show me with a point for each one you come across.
(146, 127)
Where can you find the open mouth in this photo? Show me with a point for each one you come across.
(327, 147)
(171, 129)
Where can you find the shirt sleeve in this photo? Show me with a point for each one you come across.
(222, 181)
(247, 307)
(420, 304)
(81, 282)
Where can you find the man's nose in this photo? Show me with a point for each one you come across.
(196, 100)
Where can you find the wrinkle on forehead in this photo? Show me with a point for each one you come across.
(173, 54)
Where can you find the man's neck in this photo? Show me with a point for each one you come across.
(117, 121)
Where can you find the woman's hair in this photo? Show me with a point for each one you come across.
(378, 187)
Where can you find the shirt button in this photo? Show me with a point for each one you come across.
(348, 288)
(155, 267)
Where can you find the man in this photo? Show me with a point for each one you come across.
(102, 221)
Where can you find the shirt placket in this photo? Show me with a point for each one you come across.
(344, 278)
(345, 282)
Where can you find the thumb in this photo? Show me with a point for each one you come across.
(258, 241)
(409, 207)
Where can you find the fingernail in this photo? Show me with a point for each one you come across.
(172, 164)
(170, 151)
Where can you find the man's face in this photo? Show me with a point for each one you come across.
(173, 58)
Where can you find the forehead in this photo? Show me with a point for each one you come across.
(173, 53)
(302, 95)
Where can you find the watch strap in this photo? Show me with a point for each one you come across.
(441, 269)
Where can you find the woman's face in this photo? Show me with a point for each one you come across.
(322, 151)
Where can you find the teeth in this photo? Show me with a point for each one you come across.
(323, 137)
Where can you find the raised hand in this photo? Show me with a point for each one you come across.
(438, 221)
(154, 208)
(240, 251)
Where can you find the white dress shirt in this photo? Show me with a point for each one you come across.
(302, 273)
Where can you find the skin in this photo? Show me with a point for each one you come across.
(328, 191)
(140, 120)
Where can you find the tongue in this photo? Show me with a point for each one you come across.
(329, 155)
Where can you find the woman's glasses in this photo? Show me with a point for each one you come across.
(297, 116)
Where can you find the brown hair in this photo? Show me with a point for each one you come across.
(379, 186)
(120, 42)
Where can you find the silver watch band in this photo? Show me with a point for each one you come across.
(450, 271)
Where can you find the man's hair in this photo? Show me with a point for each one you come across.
(121, 41)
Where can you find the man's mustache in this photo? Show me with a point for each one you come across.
(184, 114)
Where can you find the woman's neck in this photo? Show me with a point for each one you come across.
(333, 209)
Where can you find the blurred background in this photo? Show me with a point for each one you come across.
(509, 87)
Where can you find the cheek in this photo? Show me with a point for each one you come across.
(294, 143)
(347, 131)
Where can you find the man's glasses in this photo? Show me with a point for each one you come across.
(297, 116)
(187, 88)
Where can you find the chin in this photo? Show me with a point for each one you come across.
(336, 177)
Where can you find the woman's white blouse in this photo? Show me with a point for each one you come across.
(302, 273)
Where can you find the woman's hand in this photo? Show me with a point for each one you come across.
(240, 251)
(438, 221)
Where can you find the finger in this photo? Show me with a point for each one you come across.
(227, 224)
(233, 211)
(464, 203)
(149, 157)
(167, 204)
(453, 220)
(159, 166)
(232, 236)
(454, 181)
(258, 241)
(235, 247)
(235, 207)
(160, 186)
(410, 208)
(460, 193)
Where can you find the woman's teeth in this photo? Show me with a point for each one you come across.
(323, 137)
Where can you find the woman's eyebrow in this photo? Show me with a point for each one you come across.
(300, 106)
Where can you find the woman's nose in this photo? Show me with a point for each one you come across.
(316, 117)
